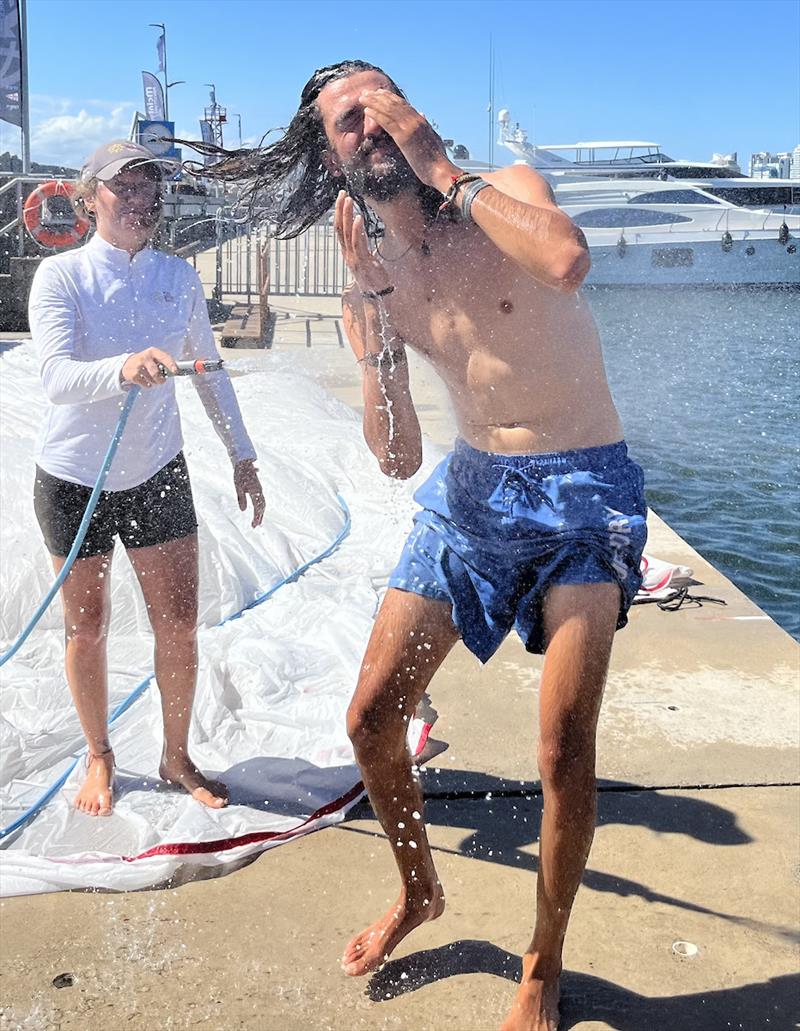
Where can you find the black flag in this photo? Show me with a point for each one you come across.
(10, 63)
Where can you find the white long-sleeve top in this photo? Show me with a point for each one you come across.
(90, 309)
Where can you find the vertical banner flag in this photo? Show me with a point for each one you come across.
(207, 136)
(10, 63)
(153, 98)
(160, 45)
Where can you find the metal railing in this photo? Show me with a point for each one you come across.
(311, 264)
(247, 258)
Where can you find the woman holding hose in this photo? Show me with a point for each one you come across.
(105, 317)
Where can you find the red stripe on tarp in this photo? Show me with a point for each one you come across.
(423, 737)
(185, 848)
(661, 583)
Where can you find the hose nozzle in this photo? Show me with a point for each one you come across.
(195, 367)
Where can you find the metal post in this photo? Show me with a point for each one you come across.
(216, 116)
(217, 291)
(20, 224)
(163, 27)
(249, 262)
(24, 101)
(238, 239)
(296, 266)
(491, 103)
(166, 80)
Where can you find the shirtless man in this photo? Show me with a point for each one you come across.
(536, 519)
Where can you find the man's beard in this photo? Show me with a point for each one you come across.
(395, 176)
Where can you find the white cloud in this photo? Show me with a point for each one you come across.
(44, 105)
(60, 134)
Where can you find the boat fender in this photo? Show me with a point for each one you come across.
(783, 234)
(46, 225)
(727, 241)
(622, 245)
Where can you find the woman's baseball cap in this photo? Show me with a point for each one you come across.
(110, 158)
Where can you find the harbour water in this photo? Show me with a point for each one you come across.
(707, 386)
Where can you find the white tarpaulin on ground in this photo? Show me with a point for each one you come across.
(274, 684)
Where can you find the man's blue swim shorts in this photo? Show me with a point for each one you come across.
(497, 531)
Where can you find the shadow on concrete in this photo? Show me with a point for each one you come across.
(500, 828)
(768, 1004)
(218, 311)
(619, 802)
(269, 329)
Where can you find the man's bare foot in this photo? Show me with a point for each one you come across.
(535, 1007)
(183, 773)
(95, 796)
(370, 949)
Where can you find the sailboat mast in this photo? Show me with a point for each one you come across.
(491, 103)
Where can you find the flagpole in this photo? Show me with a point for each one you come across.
(24, 102)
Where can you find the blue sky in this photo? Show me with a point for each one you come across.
(696, 76)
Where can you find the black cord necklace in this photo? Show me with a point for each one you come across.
(425, 247)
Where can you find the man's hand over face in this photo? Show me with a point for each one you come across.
(421, 145)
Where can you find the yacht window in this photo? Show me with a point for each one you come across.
(673, 197)
(757, 196)
(613, 218)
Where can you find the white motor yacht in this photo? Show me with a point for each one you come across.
(647, 232)
(607, 159)
(641, 159)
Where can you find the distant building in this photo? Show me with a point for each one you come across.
(785, 165)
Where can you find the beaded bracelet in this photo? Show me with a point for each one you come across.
(456, 182)
(375, 359)
(373, 295)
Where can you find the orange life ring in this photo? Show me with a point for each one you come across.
(50, 236)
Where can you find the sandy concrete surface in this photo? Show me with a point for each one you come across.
(259, 949)
(697, 842)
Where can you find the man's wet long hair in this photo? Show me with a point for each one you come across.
(287, 183)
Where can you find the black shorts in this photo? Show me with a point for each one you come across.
(159, 510)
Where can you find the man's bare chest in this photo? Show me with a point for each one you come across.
(446, 309)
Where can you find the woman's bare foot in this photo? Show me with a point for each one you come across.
(95, 796)
(370, 949)
(535, 1007)
(183, 772)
